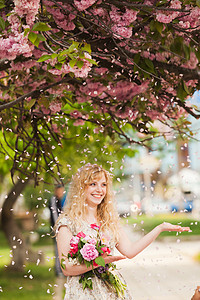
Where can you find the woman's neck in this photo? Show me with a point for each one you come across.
(91, 215)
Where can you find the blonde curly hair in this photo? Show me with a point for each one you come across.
(76, 207)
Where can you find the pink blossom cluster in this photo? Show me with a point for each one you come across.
(122, 90)
(55, 128)
(125, 112)
(192, 83)
(149, 2)
(83, 72)
(93, 89)
(18, 44)
(15, 22)
(27, 8)
(15, 45)
(80, 118)
(167, 17)
(192, 62)
(55, 106)
(79, 122)
(83, 4)
(101, 71)
(63, 20)
(26, 65)
(125, 90)
(192, 20)
(76, 114)
(99, 11)
(122, 21)
(121, 32)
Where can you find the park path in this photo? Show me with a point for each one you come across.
(164, 271)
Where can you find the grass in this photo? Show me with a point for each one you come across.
(35, 283)
(147, 223)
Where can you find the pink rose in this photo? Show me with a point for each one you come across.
(74, 240)
(89, 252)
(95, 226)
(74, 244)
(73, 249)
(81, 234)
(105, 250)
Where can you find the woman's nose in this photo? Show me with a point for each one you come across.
(99, 187)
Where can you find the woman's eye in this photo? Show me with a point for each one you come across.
(104, 184)
(92, 184)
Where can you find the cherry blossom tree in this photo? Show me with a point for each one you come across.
(120, 65)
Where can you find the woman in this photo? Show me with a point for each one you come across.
(90, 201)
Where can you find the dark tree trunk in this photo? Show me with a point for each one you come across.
(13, 233)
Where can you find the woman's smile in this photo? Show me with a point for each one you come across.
(96, 191)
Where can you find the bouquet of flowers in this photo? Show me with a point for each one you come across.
(89, 250)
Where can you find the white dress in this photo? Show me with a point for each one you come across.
(100, 291)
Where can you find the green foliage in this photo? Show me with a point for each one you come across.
(62, 263)
(2, 23)
(25, 285)
(35, 38)
(100, 261)
(182, 91)
(40, 26)
(20, 285)
(86, 280)
(2, 4)
(147, 223)
(198, 3)
(75, 54)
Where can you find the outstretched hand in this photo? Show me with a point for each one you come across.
(170, 227)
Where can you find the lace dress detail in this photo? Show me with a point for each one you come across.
(100, 290)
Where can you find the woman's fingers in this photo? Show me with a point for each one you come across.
(112, 258)
(171, 227)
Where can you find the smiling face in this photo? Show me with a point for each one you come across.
(95, 191)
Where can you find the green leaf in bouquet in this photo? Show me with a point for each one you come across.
(86, 280)
(111, 278)
(62, 263)
(87, 263)
(100, 261)
(100, 251)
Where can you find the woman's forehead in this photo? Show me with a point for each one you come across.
(100, 176)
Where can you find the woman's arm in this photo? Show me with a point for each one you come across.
(63, 242)
(131, 249)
